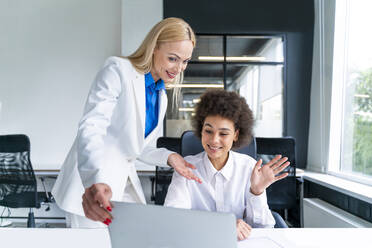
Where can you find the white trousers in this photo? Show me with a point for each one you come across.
(78, 221)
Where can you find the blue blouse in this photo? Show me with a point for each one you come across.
(152, 102)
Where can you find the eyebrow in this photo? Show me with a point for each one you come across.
(222, 129)
(179, 56)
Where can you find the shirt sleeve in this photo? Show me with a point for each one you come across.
(178, 195)
(257, 212)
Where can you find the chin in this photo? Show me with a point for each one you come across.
(216, 155)
(172, 80)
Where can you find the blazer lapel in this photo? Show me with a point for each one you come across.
(162, 105)
(139, 91)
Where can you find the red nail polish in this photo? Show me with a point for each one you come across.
(108, 221)
(109, 209)
(105, 222)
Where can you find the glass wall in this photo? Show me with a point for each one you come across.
(252, 65)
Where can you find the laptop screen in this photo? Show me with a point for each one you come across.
(152, 226)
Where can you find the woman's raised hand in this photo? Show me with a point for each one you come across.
(96, 203)
(263, 177)
(183, 168)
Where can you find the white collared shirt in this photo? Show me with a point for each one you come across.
(227, 190)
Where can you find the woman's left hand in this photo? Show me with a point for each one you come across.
(183, 168)
(243, 230)
(263, 177)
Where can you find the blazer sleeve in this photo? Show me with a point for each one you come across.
(155, 156)
(99, 107)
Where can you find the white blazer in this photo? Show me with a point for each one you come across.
(111, 136)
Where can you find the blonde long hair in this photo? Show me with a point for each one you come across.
(168, 30)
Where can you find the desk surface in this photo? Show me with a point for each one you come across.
(309, 238)
(54, 238)
(290, 237)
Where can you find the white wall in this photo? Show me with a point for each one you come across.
(50, 51)
(139, 16)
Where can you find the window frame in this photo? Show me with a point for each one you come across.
(339, 74)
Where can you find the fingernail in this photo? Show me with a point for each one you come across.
(108, 220)
(105, 222)
(109, 209)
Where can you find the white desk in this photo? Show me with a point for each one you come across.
(260, 238)
(54, 238)
(309, 238)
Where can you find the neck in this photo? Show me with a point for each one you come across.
(154, 76)
(219, 163)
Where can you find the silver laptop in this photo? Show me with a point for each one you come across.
(150, 226)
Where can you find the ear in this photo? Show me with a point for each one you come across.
(236, 135)
(156, 49)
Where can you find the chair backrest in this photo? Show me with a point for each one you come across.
(163, 175)
(281, 194)
(17, 178)
(286, 146)
(191, 145)
(172, 144)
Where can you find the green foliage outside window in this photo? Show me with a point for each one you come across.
(362, 140)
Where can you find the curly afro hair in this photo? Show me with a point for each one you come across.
(228, 105)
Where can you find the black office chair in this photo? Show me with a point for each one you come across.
(163, 175)
(281, 195)
(18, 187)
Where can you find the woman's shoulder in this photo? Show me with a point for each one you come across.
(121, 66)
(119, 61)
(195, 159)
(243, 159)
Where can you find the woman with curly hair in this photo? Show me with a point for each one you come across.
(233, 182)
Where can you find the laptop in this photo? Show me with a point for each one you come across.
(151, 226)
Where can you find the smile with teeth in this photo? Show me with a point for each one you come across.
(214, 148)
(171, 75)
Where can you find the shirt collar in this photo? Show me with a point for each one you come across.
(226, 171)
(150, 82)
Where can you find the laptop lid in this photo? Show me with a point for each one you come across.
(152, 226)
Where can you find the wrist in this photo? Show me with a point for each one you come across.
(170, 159)
(256, 192)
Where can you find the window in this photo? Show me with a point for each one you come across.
(351, 119)
(251, 65)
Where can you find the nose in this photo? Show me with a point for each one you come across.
(215, 138)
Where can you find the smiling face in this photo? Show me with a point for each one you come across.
(217, 136)
(170, 59)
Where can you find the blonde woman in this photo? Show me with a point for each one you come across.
(122, 120)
